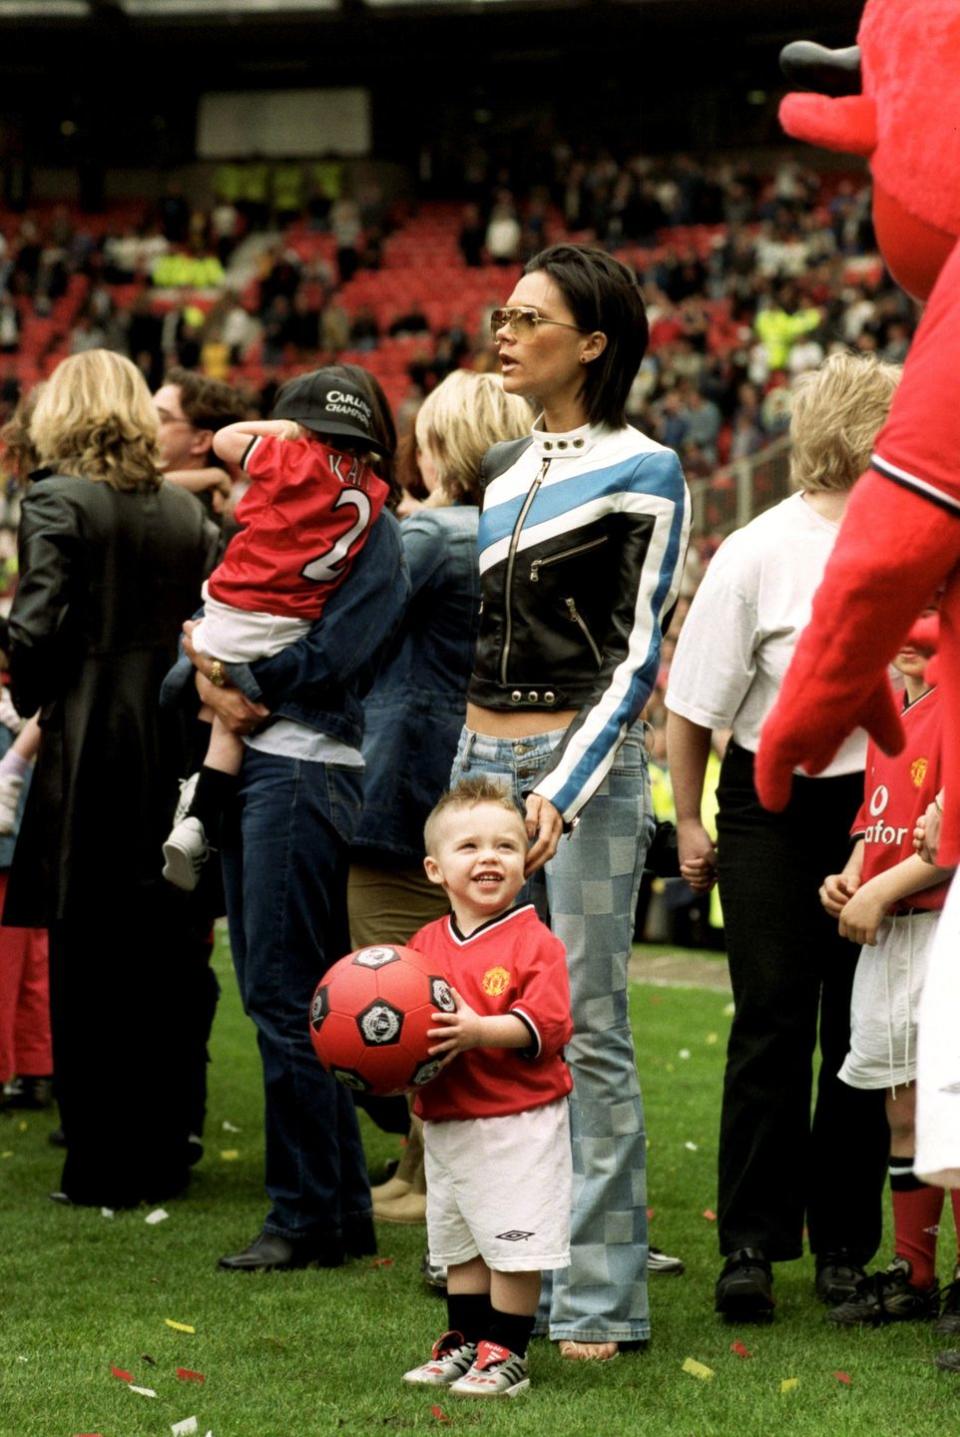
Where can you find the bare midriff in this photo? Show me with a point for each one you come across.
(502, 723)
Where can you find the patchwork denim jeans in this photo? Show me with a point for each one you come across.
(589, 893)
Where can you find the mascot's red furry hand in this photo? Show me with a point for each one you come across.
(900, 537)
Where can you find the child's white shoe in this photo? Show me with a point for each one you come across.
(451, 1358)
(496, 1372)
(11, 788)
(188, 787)
(185, 852)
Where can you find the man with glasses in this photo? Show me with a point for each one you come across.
(190, 409)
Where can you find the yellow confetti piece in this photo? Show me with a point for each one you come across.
(6, 1155)
(788, 1384)
(697, 1369)
(22, 1126)
(178, 1326)
(229, 1155)
(711, 1039)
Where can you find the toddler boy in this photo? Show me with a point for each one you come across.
(496, 1131)
(313, 498)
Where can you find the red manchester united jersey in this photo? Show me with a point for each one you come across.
(513, 964)
(306, 516)
(897, 791)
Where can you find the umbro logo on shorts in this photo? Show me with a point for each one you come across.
(514, 1235)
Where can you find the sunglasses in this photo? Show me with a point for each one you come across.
(522, 323)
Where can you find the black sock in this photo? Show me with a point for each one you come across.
(213, 793)
(509, 1329)
(469, 1313)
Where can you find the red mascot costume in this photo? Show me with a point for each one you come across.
(900, 538)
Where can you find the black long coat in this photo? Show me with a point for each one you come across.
(106, 579)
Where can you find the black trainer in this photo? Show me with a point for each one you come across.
(838, 1277)
(888, 1296)
(744, 1291)
(948, 1323)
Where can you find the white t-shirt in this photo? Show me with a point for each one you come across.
(739, 636)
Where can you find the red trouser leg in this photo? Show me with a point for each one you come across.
(24, 1001)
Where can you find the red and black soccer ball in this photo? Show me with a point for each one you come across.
(370, 1015)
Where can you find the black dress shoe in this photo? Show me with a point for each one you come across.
(744, 1290)
(269, 1252)
(838, 1276)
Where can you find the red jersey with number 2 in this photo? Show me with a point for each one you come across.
(306, 516)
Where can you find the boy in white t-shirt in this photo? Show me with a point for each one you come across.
(496, 1131)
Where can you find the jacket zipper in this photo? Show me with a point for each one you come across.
(539, 564)
(511, 562)
(575, 616)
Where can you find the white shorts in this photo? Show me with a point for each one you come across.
(238, 636)
(500, 1189)
(886, 1002)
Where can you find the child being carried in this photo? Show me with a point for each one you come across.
(313, 499)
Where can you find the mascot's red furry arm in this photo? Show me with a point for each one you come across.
(900, 538)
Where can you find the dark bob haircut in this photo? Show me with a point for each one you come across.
(604, 295)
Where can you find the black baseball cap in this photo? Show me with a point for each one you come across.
(329, 404)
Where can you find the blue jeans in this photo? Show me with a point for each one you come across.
(285, 863)
(589, 889)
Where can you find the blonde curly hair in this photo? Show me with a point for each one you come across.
(460, 420)
(95, 419)
(837, 412)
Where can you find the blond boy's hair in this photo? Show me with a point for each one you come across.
(460, 420)
(467, 794)
(95, 419)
(837, 411)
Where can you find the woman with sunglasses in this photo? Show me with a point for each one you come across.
(582, 540)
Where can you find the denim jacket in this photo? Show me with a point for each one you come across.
(319, 681)
(415, 710)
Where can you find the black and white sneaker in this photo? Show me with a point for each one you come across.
(496, 1372)
(451, 1358)
(658, 1261)
(888, 1296)
(185, 852)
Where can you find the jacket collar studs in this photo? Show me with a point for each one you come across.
(557, 446)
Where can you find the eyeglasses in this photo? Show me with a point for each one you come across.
(522, 323)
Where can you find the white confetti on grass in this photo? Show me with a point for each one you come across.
(159, 1214)
(691, 1147)
(107, 1212)
(186, 1428)
(231, 1127)
(684, 1053)
(141, 1391)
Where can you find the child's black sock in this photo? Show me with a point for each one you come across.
(509, 1329)
(213, 793)
(469, 1313)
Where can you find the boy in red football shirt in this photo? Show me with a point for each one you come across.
(889, 899)
(313, 498)
(496, 1131)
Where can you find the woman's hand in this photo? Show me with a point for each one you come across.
(545, 829)
(836, 890)
(697, 855)
(460, 1030)
(232, 708)
(863, 914)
